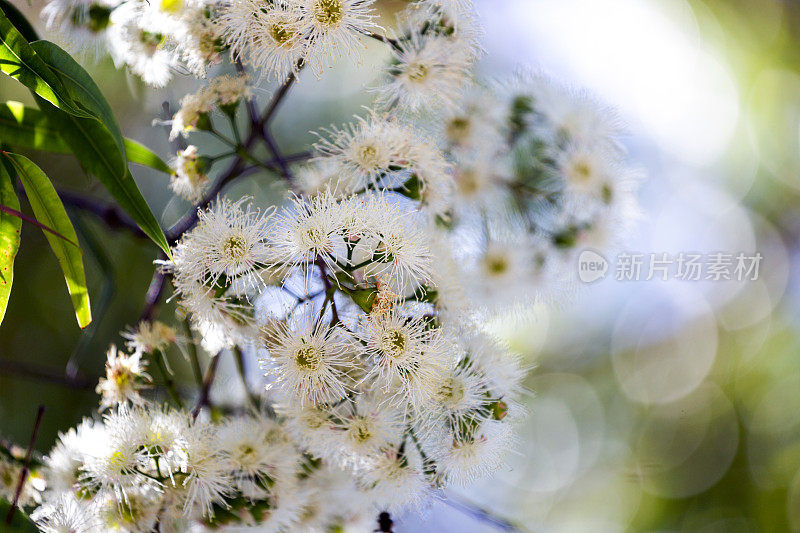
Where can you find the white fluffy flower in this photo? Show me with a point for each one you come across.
(409, 356)
(365, 428)
(82, 23)
(264, 36)
(394, 246)
(462, 459)
(308, 359)
(189, 180)
(66, 514)
(229, 240)
(125, 377)
(259, 454)
(206, 467)
(193, 107)
(427, 74)
(64, 463)
(380, 153)
(149, 337)
(394, 482)
(309, 230)
(333, 28)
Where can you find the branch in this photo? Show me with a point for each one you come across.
(382, 38)
(211, 373)
(111, 215)
(23, 475)
(154, 291)
(282, 91)
(477, 513)
(43, 373)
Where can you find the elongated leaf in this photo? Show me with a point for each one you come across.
(142, 155)
(81, 88)
(49, 210)
(27, 127)
(96, 149)
(20, 61)
(9, 238)
(6, 210)
(19, 21)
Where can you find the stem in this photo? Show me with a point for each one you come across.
(160, 358)
(211, 373)
(478, 513)
(44, 373)
(111, 215)
(279, 95)
(382, 38)
(195, 361)
(238, 357)
(329, 289)
(224, 138)
(23, 475)
(154, 292)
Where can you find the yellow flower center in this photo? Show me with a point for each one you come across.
(281, 34)
(308, 358)
(394, 343)
(452, 392)
(496, 264)
(360, 431)
(329, 12)
(417, 71)
(234, 248)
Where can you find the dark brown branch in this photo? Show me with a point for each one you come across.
(211, 373)
(153, 296)
(329, 290)
(43, 373)
(279, 95)
(111, 215)
(23, 475)
(477, 513)
(384, 39)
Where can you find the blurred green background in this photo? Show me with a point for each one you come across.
(656, 405)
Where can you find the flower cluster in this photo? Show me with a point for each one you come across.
(364, 296)
(151, 38)
(540, 174)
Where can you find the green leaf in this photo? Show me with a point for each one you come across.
(21, 62)
(96, 149)
(49, 210)
(139, 153)
(9, 238)
(81, 87)
(22, 216)
(27, 127)
(19, 21)
(19, 524)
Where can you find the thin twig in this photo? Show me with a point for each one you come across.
(211, 373)
(328, 290)
(238, 357)
(111, 215)
(384, 39)
(47, 374)
(277, 98)
(153, 296)
(477, 513)
(23, 475)
(193, 358)
(169, 383)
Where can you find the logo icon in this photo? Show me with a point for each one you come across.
(591, 266)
